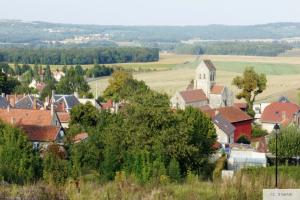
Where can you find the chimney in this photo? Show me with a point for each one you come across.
(13, 121)
(76, 95)
(34, 103)
(283, 115)
(217, 112)
(52, 102)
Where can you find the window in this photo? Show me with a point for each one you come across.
(36, 145)
(203, 76)
(199, 76)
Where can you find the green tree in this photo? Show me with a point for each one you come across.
(85, 115)
(18, 161)
(174, 170)
(251, 84)
(55, 168)
(243, 139)
(48, 75)
(288, 142)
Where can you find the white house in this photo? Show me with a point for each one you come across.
(224, 129)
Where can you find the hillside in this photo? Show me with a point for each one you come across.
(20, 32)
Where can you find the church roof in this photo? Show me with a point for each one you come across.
(217, 89)
(190, 96)
(209, 65)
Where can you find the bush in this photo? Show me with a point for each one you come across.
(257, 131)
(243, 139)
(220, 165)
(174, 170)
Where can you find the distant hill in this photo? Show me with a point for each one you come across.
(20, 32)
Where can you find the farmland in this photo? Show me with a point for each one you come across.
(173, 72)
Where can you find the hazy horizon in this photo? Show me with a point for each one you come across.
(155, 12)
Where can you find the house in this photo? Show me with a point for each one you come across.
(224, 129)
(41, 126)
(29, 102)
(235, 116)
(243, 155)
(205, 86)
(39, 86)
(64, 103)
(57, 75)
(94, 102)
(64, 118)
(259, 109)
(195, 98)
(42, 136)
(3, 101)
(281, 112)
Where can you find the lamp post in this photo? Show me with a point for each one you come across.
(276, 129)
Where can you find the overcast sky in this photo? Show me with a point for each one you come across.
(152, 12)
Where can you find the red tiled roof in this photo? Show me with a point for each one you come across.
(41, 133)
(217, 89)
(64, 116)
(26, 116)
(190, 96)
(279, 112)
(204, 108)
(79, 137)
(230, 113)
(108, 104)
(241, 105)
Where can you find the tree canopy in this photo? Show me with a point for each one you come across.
(250, 85)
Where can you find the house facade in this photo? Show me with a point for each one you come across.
(237, 118)
(224, 129)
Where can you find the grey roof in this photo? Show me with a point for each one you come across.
(27, 103)
(283, 99)
(3, 102)
(69, 100)
(223, 124)
(210, 65)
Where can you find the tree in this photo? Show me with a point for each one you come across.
(251, 84)
(85, 115)
(48, 75)
(78, 70)
(73, 83)
(36, 73)
(18, 161)
(288, 142)
(55, 168)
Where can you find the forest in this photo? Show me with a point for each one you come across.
(72, 56)
(233, 48)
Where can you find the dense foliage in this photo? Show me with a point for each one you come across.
(288, 142)
(18, 161)
(73, 56)
(145, 138)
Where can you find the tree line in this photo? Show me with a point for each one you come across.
(233, 48)
(73, 56)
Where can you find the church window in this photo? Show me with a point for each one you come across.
(203, 76)
(199, 76)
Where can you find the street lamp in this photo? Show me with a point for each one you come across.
(276, 129)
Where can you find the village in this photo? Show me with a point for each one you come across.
(46, 122)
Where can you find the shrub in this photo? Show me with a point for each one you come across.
(257, 131)
(243, 139)
(174, 170)
(220, 165)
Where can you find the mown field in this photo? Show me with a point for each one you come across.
(174, 72)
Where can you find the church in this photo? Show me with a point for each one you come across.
(203, 92)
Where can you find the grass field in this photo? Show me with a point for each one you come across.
(283, 73)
